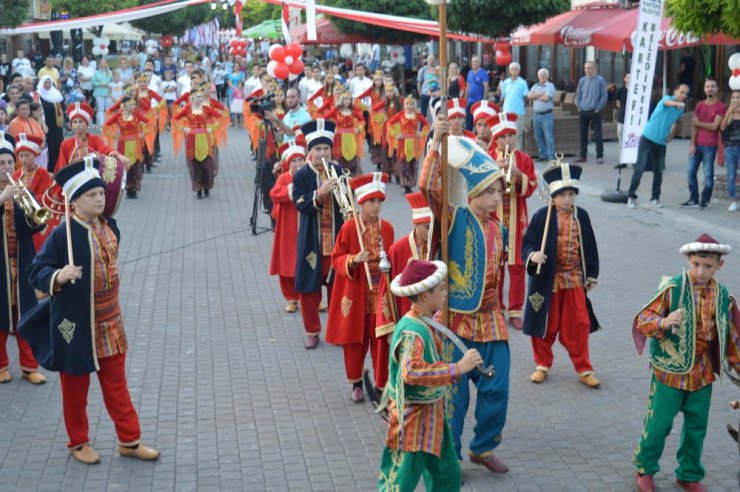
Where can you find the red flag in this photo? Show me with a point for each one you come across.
(238, 13)
(286, 22)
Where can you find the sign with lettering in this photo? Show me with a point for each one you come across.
(642, 71)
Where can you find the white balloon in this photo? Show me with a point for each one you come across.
(271, 68)
(288, 60)
(292, 77)
(735, 83)
(345, 51)
(105, 41)
(97, 42)
(96, 50)
(151, 49)
(734, 61)
(400, 59)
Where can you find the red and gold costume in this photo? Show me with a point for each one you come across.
(315, 101)
(37, 181)
(349, 138)
(408, 133)
(512, 213)
(127, 133)
(200, 142)
(352, 309)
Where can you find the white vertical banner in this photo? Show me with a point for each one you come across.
(311, 19)
(642, 71)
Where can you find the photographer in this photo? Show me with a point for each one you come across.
(295, 116)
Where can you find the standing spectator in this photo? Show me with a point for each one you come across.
(50, 70)
(85, 74)
(37, 59)
(184, 82)
(422, 83)
(4, 71)
(219, 80)
(51, 102)
(359, 85)
(20, 59)
(476, 90)
(686, 70)
(29, 91)
(455, 82)
(116, 88)
(622, 107)
(590, 101)
(67, 76)
(658, 131)
(513, 93)
(303, 85)
(314, 84)
(542, 95)
(169, 64)
(125, 71)
(135, 64)
(731, 137)
(233, 80)
(101, 89)
(375, 58)
(155, 81)
(703, 148)
(169, 92)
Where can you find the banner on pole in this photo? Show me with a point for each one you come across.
(642, 72)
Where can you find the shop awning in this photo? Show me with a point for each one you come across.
(114, 32)
(326, 33)
(605, 27)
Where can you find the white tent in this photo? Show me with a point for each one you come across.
(114, 32)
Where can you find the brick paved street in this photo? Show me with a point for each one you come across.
(227, 392)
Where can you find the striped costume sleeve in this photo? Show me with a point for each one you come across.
(418, 372)
(650, 319)
(733, 347)
(430, 182)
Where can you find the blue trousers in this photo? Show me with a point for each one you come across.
(492, 401)
(543, 134)
(705, 155)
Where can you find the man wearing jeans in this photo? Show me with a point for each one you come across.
(658, 132)
(422, 83)
(513, 94)
(543, 94)
(476, 89)
(590, 100)
(704, 140)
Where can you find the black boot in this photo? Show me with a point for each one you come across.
(200, 195)
(207, 193)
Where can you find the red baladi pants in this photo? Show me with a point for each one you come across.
(354, 355)
(287, 287)
(26, 359)
(112, 378)
(568, 321)
(310, 301)
(516, 289)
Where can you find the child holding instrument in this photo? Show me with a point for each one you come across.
(78, 329)
(354, 299)
(559, 252)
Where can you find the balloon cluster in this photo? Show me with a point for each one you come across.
(734, 64)
(100, 46)
(398, 57)
(151, 46)
(285, 61)
(166, 41)
(503, 53)
(238, 47)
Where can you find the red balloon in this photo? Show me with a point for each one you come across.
(503, 59)
(278, 54)
(294, 49)
(282, 71)
(296, 67)
(234, 43)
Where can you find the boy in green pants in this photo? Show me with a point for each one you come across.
(419, 439)
(693, 325)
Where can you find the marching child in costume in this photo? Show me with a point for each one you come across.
(378, 117)
(125, 130)
(352, 309)
(693, 324)
(82, 143)
(34, 177)
(391, 106)
(285, 214)
(419, 438)
(349, 137)
(483, 111)
(561, 273)
(18, 252)
(476, 251)
(319, 224)
(521, 182)
(78, 330)
(408, 130)
(195, 122)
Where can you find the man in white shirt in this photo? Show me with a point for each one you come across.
(252, 82)
(314, 84)
(303, 84)
(19, 60)
(184, 82)
(155, 82)
(360, 84)
(375, 58)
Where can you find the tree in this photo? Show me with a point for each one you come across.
(496, 18)
(705, 17)
(418, 9)
(15, 13)
(176, 22)
(84, 8)
(257, 12)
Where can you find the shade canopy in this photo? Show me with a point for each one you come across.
(270, 29)
(605, 27)
(326, 33)
(114, 32)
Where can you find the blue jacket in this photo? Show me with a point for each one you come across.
(308, 251)
(61, 328)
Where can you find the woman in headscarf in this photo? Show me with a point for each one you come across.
(51, 100)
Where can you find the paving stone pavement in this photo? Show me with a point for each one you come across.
(226, 391)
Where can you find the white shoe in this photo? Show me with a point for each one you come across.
(656, 203)
(631, 203)
(733, 207)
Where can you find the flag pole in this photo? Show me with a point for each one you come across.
(444, 217)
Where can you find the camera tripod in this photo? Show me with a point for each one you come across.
(262, 164)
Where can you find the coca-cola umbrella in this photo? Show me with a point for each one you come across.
(326, 33)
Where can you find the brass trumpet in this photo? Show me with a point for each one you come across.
(35, 214)
(341, 191)
(509, 156)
